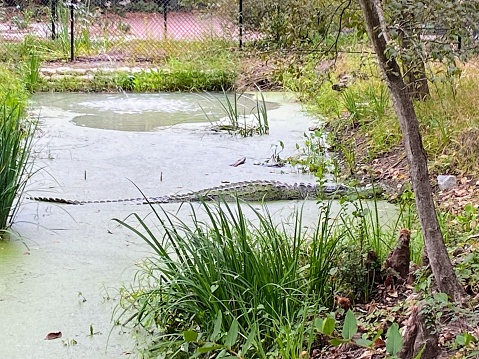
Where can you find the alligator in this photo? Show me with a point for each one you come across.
(255, 191)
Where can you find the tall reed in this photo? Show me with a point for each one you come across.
(16, 135)
(255, 273)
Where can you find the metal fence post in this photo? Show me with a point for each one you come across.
(53, 9)
(165, 17)
(240, 23)
(72, 32)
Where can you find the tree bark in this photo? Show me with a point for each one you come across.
(434, 243)
(419, 337)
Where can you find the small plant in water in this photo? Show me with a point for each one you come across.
(237, 117)
(32, 71)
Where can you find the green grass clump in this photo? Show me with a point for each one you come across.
(449, 123)
(260, 279)
(12, 90)
(15, 143)
(258, 275)
(179, 78)
(237, 117)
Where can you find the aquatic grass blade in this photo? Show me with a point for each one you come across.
(16, 136)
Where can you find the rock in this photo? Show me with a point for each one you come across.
(446, 182)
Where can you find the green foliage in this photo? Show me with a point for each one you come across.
(295, 23)
(393, 340)
(180, 78)
(465, 339)
(448, 119)
(143, 6)
(183, 72)
(260, 275)
(236, 119)
(468, 219)
(432, 29)
(368, 240)
(349, 333)
(12, 91)
(313, 156)
(32, 72)
(16, 136)
(247, 288)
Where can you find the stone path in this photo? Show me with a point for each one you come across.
(87, 70)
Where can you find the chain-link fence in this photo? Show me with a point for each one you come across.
(126, 29)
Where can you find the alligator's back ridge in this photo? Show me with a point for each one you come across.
(261, 190)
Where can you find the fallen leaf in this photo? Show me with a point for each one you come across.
(343, 303)
(239, 162)
(393, 294)
(379, 343)
(367, 354)
(53, 335)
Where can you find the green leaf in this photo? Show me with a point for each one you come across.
(329, 325)
(232, 335)
(465, 338)
(337, 341)
(217, 327)
(222, 354)
(249, 340)
(208, 347)
(363, 342)
(460, 340)
(318, 324)
(350, 326)
(190, 336)
(419, 354)
(393, 340)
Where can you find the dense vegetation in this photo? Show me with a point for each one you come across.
(225, 286)
(15, 142)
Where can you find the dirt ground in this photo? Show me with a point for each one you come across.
(392, 172)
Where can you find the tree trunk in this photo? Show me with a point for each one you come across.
(434, 244)
(416, 81)
(419, 337)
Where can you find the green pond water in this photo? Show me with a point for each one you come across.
(64, 270)
(147, 112)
